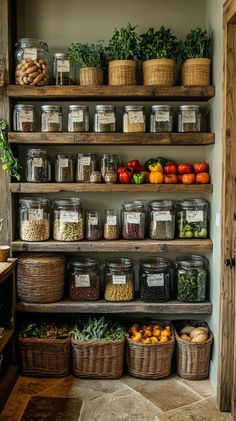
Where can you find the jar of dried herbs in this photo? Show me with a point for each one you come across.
(51, 118)
(85, 165)
(93, 230)
(64, 169)
(78, 118)
(161, 218)
(111, 229)
(161, 119)
(63, 70)
(105, 118)
(133, 220)
(84, 277)
(119, 279)
(191, 278)
(24, 119)
(38, 166)
(134, 119)
(68, 220)
(189, 119)
(155, 280)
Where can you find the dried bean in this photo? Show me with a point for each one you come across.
(34, 230)
(111, 232)
(155, 287)
(83, 293)
(120, 292)
(133, 232)
(68, 231)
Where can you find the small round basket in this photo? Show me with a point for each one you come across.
(196, 72)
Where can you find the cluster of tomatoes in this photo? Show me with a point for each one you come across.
(150, 334)
(188, 174)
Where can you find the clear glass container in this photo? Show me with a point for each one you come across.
(64, 169)
(38, 166)
(78, 118)
(93, 226)
(86, 164)
(34, 219)
(84, 278)
(119, 279)
(105, 118)
(189, 119)
(192, 218)
(133, 220)
(109, 163)
(161, 119)
(191, 278)
(24, 119)
(51, 118)
(111, 229)
(68, 220)
(110, 177)
(155, 280)
(134, 119)
(95, 177)
(63, 70)
(33, 64)
(161, 218)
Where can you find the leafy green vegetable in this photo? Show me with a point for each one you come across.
(44, 331)
(192, 284)
(10, 163)
(87, 55)
(124, 44)
(158, 44)
(195, 45)
(98, 330)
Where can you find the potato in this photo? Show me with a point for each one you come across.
(185, 337)
(199, 339)
(187, 329)
(197, 331)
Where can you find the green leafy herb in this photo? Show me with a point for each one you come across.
(87, 55)
(195, 45)
(44, 331)
(10, 163)
(124, 44)
(158, 44)
(98, 330)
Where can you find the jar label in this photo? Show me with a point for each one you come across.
(189, 116)
(111, 219)
(85, 160)
(119, 280)
(162, 216)
(35, 214)
(52, 117)
(63, 66)
(106, 118)
(162, 116)
(194, 216)
(77, 116)
(38, 162)
(93, 220)
(30, 53)
(135, 117)
(69, 216)
(82, 281)
(63, 162)
(133, 217)
(155, 280)
(26, 116)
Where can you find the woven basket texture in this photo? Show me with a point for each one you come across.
(196, 72)
(91, 76)
(122, 72)
(159, 72)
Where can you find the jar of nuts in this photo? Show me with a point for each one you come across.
(93, 226)
(86, 164)
(84, 277)
(119, 279)
(68, 220)
(34, 219)
(51, 118)
(24, 118)
(38, 166)
(111, 229)
(133, 217)
(161, 218)
(155, 280)
(134, 119)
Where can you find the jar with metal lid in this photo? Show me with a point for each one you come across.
(119, 279)
(134, 119)
(189, 119)
(155, 279)
(63, 70)
(64, 169)
(192, 218)
(51, 118)
(191, 278)
(161, 119)
(85, 165)
(24, 119)
(38, 166)
(78, 118)
(84, 277)
(111, 229)
(33, 64)
(68, 220)
(133, 220)
(161, 218)
(34, 219)
(108, 163)
(104, 118)
(93, 226)
(95, 177)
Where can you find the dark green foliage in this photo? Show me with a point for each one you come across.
(10, 163)
(195, 45)
(124, 44)
(98, 330)
(87, 55)
(158, 44)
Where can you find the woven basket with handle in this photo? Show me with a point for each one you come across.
(91, 76)
(159, 71)
(122, 72)
(196, 71)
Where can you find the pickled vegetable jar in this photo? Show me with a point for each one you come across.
(192, 218)
(161, 218)
(68, 224)
(84, 277)
(191, 278)
(155, 280)
(133, 220)
(119, 279)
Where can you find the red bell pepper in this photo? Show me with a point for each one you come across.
(124, 175)
(170, 168)
(133, 165)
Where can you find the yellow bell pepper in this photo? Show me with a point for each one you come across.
(156, 177)
(156, 167)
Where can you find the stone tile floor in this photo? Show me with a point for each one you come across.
(127, 399)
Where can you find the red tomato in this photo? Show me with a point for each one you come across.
(202, 178)
(170, 179)
(179, 178)
(184, 168)
(200, 167)
(188, 178)
(170, 168)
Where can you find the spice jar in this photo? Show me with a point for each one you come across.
(155, 280)
(63, 70)
(34, 219)
(104, 118)
(108, 163)
(38, 166)
(93, 226)
(134, 119)
(51, 118)
(95, 177)
(161, 119)
(84, 279)
(24, 118)
(161, 217)
(68, 224)
(191, 274)
(189, 118)
(119, 279)
(86, 164)
(110, 177)
(64, 169)
(78, 118)
(192, 218)
(133, 220)
(111, 229)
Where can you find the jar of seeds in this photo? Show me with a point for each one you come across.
(111, 229)
(95, 177)
(78, 118)
(68, 220)
(134, 119)
(64, 169)
(161, 119)
(34, 219)
(51, 118)
(84, 279)
(104, 118)
(119, 279)
(38, 166)
(86, 164)
(161, 217)
(189, 119)
(24, 118)
(155, 280)
(108, 163)
(63, 70)
(93, 226)
(133, 219)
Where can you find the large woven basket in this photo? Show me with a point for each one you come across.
(122, 72)
(45, 357)
(192, 359)
(159, 72)
(196, 71)
(40, 278)
(91, 76)
(98, 359)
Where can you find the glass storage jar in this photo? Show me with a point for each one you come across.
(68, 220)
(84, 279)
(78, 118)
(191, 274)
(86, 164)
(111, 230)
(64, 169)
(161, 219)
(133, 220)
(93, 226)
(155, 279)
(33, 65)
(189, 119)
(63, 70)
(119, 279)
(104, 118)
(108, 163)
(95, 177)
(134, 119)
(192, 218)
(24, 118)
(38, 166)
(34, 219)
(161, 119)
(51, 118)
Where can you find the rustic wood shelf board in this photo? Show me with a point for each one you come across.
(6, 268)
(7, 335)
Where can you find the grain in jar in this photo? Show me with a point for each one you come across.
(155, 280)
(84, 279)
(68, 220)
(119, 279)
(24, 118)
(38, 166)
(133, 220)
(78, 118)
(104, 119)
(34, 219)
(51, 118)
(161, 219)
(189, 119)
(85, 165)
(64, 169)
(93, 226)
(134, 120)
(63, 70)
(111, 229)
(161, 119)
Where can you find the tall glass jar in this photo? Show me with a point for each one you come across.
(108, 163)
(133, 220)
(161, 119)
(64, 169)
(86, 164)
(63, 70)
(68, 220)
(84, 279)
(161, 218)
(38, 166)
(191, 278)
(78, 118)
(33, 65)
(134, 119)
(119, 279)
(93, 226)
(24, 119)
(51, 118)
(192, 218)
(189, 119)
(111, 229)
(34, 219)
(155, 280)
(104, 118)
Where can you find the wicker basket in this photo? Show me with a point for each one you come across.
(196, 71)
(91, 76)
(45, 357)
(159, 72)
(192, 359)
(98, 359)
(122, 72)
(40, 278)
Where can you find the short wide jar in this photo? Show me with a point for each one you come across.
(191, 278)
(133, 220)
(68, 224)
(161, 217)
(24, 118)
(134, 119)
(155, 280)
(189, 119)
(119, 279)
(51, 118)
(161, 119)
(192, 218)
(104, 119)
(84, 279)
(34, 219)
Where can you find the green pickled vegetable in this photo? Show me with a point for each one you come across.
(188, 229)
(191, 284)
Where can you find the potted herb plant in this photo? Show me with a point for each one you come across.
(158, 49)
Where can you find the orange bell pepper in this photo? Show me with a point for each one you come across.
(156, 177)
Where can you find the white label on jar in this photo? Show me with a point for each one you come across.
(155, 280)
(133, 217)
(63, 162)
(135, 117)
(161, 116)
(77, 116)
(119, 280)
(189, 116)
(106, 118)
(93, 220)
(38, 162)
(111, 220)
(35, 214)
(194, 216)
(30, 53)
(52, 117)
(69, 216)
(162, 216)
(85, 160)
(82, 281)
(63, 65)
(26, 116)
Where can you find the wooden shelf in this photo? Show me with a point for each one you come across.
(145, 139)
(6, 268)
(7, 335)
